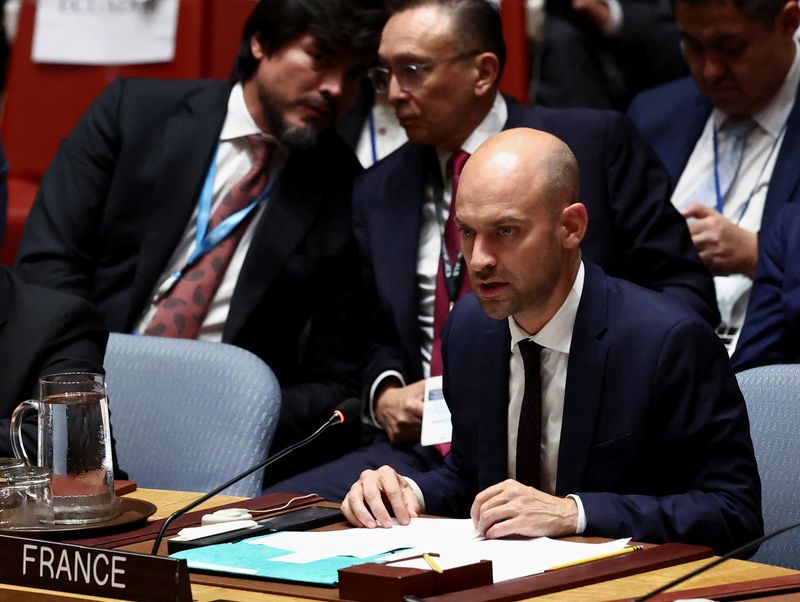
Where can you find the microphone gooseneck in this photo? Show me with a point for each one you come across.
(344, 412)
(743, 548)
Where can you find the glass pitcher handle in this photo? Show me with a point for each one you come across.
(16, 428)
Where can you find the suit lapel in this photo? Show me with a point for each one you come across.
(683, 137)
(785, 175)
(190, 138)
(490, 395)
(585, 381)
(288, 216)
(395, 240)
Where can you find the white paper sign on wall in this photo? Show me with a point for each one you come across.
(105, 32)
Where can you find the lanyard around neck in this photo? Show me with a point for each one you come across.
(373, 138)
(204, 240)
(717, 189)
(453, 271)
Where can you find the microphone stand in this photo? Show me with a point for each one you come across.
(337, 418)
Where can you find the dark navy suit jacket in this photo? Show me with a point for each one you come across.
(118, 196)
(634, 232)
(43, 332)
(671, 118)
(771, 331)
(655, 437)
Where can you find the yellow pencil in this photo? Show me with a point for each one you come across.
(432, 563)
(626, 550)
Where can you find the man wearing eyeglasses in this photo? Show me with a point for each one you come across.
(221, 211)
(730, 135)
(440, 62)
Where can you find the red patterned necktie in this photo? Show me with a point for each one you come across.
(452, 241)
(181, 311)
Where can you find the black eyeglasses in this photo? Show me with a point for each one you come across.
(410, 76)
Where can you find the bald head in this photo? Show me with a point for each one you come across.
(523, 161)
(521, 224)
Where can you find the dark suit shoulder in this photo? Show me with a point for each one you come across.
(155, 99)
(43, 331)
(562, 122)
(641, 309)
(467, 318)
(662, 104)
(37, 308)
(165, 89)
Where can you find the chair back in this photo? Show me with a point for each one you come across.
(188, 415)
(772, 394)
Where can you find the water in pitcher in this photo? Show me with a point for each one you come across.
(77, 447)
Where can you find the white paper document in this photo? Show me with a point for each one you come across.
(455, 541)
(105, 32)
(436, 424)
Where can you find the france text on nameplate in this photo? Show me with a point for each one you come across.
(92, 571)
(436, 425)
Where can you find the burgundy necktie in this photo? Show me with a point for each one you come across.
(181, 311)
(452, 241)
(529, 433)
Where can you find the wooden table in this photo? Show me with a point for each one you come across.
(169, 501)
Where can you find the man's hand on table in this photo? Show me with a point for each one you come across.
(375, 495)
(511, 508)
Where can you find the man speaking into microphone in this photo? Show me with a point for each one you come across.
(581, 404)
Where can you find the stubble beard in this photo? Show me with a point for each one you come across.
(292, 136)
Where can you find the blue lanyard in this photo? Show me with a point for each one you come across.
(372, 138)
(205, 241)
(720, 200)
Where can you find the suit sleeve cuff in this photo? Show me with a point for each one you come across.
(376, 385)
(581, 527)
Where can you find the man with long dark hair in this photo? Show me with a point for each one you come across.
(221, 210)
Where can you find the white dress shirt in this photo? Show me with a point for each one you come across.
(232, 163)
(380, 137)
(752, 181)
(555, 338)
(430, 240)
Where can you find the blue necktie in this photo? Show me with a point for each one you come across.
(730, 152)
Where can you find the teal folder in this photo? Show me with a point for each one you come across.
(245, 559)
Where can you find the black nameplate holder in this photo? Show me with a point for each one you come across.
(92, 571)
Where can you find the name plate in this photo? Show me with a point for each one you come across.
(93, 571)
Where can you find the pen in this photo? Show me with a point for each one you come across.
(626, 550)
(432, 563)
(410, 558)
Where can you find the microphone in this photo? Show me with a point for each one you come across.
(743, 548)
(344, 412)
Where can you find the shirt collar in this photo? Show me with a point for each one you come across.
(775, 114)
(492, 124)
(239, 123)
(556, 334)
